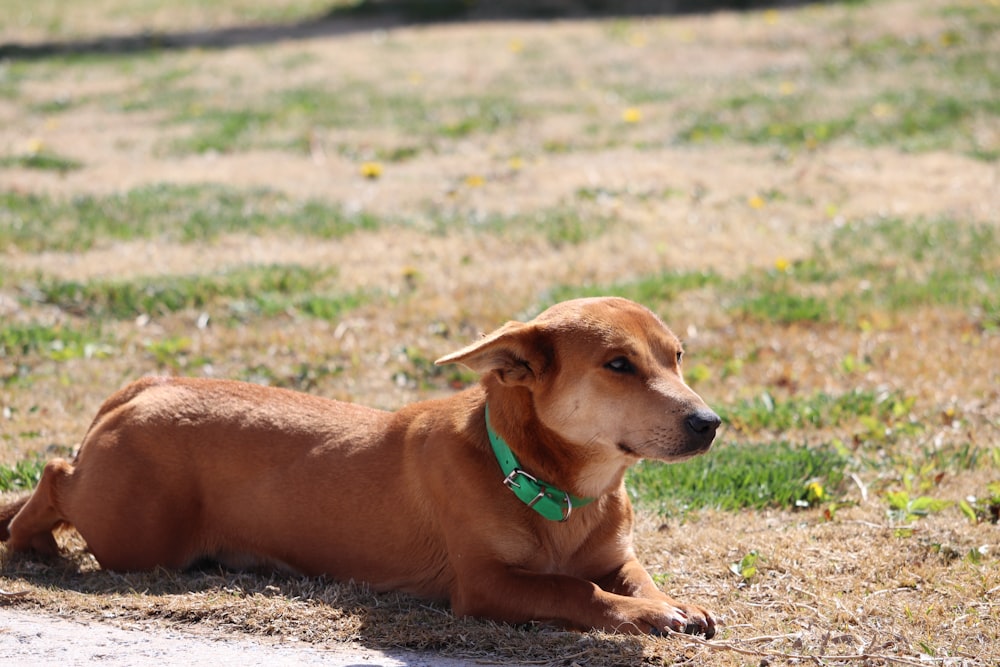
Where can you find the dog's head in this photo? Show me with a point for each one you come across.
(605, 374)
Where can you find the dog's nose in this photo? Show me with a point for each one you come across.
(703, 422)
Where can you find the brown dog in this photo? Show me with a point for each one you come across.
(524, 519)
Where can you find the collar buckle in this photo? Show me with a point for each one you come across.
(552, 503)
(510, 483)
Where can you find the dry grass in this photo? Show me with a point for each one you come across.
(843, 579)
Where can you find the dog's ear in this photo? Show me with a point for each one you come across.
(517, 353)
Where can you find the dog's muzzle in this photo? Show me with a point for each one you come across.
(701, 426)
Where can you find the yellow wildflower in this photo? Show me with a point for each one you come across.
(632, 115)
(474, 181)
(815, 492)
(371, 170)
(756, 202)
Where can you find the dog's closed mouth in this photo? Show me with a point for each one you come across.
(628, 450)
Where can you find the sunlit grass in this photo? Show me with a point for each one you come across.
(817, 411)
(34, 222)
(956, 70)
(21, 476)
(285, 119)
(41, 160)
(261, 291)
(888, 265)
(735, 476)
(53, 341)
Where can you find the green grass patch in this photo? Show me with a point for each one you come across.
(287, 118)
(56, 105)
(564, 226)
(560, 225)
(223, 130)
(954, 99)
(245, 292)
(651, 290)
(42, 161)
(819, 410)
(786, 308)
(34, 223)
(740, 476)
(55, 342)
(913, 120)
(302, 376)
(21, 476)
(464, 116)
(892, 264)
(923, 120)
(884, 265)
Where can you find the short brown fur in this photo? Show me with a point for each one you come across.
(174, 471)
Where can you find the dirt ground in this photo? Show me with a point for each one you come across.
(35, 640)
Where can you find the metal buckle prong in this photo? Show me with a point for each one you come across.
(509, 482)
(569, 506)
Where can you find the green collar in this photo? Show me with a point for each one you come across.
(552, 503)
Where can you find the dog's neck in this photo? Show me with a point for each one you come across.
(549, 501)
(542, 452)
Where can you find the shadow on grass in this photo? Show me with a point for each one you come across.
(370, 15)
(313, 610)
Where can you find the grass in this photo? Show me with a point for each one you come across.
(818, 411)
(43, 160)
(658, 289)
(245, 292)
(187, 214)
(741, 476)
(915, 120)
(957, 70)
(198, 214)
(560, 226)
(885, 265)
(55, 342)
(289, 117)
(22, 476)
(304, 376)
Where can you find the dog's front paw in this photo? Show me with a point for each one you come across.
(691, 619)
(669, 616)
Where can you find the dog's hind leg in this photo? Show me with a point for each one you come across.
(31, 528)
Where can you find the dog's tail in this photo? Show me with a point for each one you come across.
(7, 513)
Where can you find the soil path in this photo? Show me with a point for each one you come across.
(28, 639)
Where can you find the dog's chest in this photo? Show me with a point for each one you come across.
(561, 548)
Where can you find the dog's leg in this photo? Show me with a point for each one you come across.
(632, 580)
(515, 595)
(31, 528)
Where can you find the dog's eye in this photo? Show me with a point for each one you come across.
(620, 365)
(680, 355)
